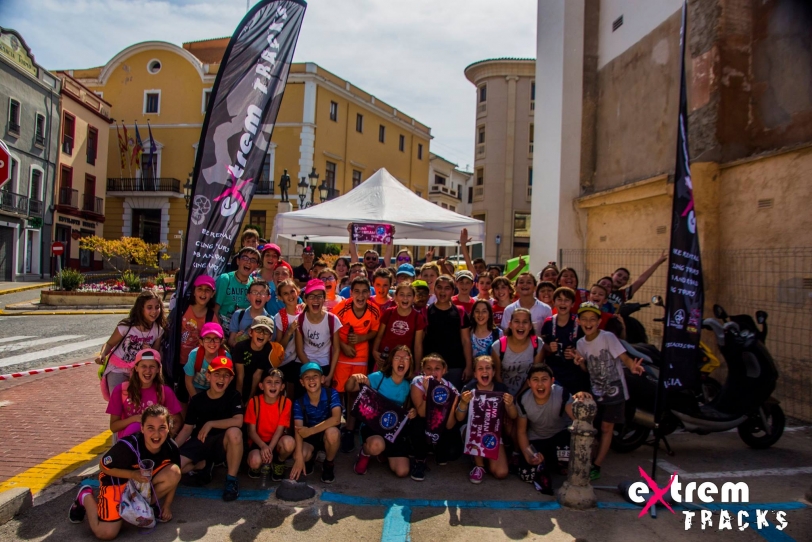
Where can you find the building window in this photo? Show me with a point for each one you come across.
(333, 111)
(148, 167)
(92, 145)
(419, 151)
(444, 205)
(35, 192)
(521, 224)
(359, 123)
(470, 194)
(330, 175)
(259, 219)
(439, 179)
(532, 136)
(206, 96)
(480, 176)
(401, 143)
(65, 195)
(39, 130)
(264, 186)
(356, 178)
(14, 116)
(89, 203)
(529, 181)
(532, 91)
(381, 133)
(154, 66)
(452, 208)
(68, 129)
(480, 135)
(483, 94)
(152, 102)
(146, 224)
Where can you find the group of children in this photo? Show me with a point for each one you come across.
(272, 363)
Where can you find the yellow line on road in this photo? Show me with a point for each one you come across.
(24, 288)
(53, 469)
(62, 313)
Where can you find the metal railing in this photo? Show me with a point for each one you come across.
(776, 280)
(136, 184)
(332, 193)
(68, 197)
(35, 207)
(14, 127)
(39, 139)
(265, 188)
(92, 204)
(438, 188)
(13, 203)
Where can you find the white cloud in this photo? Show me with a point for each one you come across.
(409, 53)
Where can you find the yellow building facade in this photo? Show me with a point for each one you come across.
(324, 122)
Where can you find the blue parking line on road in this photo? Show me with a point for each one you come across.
(397, 524)
(209, 492)
(428, 503)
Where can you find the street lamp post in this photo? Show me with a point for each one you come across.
(301, 189)
(324, 191)
(313, 184)
(314, 181)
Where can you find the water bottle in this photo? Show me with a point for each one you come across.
(385, 355)
(265, 472)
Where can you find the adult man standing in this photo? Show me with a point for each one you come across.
(301, 273)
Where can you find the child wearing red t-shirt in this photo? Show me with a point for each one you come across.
(400, 325)
(267, 416)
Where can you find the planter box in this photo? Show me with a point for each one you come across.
(55, 298)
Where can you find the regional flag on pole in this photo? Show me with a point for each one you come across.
(122, 148)
(685, 295)
(151, 165)
(138, 149)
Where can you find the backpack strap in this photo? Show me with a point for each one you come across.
(124, 394)
(283, 317)
(494, 335)
(241, 316)
(301, 320)
(210, 315)
(503, 346)
(198, 359)
(534, 340)
(519, 401)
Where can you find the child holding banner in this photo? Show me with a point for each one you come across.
(490, 400)
(392, 382)
(433, 398)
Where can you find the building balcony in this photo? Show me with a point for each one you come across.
(92, 204)
(480, 149)
(68, 197)
(67, 145)
(265, 188)
(440, 189)
(13, 127)
(18, 204)
(148, 185)
(39, 139)
(332, 193)
(479, 193)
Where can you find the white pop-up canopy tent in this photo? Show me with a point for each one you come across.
(381, 199)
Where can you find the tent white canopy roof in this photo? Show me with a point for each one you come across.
(381, 199)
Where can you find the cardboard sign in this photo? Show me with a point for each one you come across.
(383, 416)
(439, 400)
(486, 415)
(377, 234)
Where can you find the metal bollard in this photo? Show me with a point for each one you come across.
(576, 492)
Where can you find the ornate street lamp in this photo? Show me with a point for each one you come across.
(301, 189)
(324, 191)
(187, 189)
(314, 181)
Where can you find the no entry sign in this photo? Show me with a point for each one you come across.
(57, 248)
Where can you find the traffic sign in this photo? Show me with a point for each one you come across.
(57, 248)
(5, 164)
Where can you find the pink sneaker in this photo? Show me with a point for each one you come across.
(361, 463)
(476, 475)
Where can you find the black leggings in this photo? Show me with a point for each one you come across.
(556, 452)
(447, 448)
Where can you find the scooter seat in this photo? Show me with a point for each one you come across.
(635, 353)
(709, 413)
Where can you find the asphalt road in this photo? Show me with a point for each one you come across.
(34, 342)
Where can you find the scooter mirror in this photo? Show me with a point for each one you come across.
(761, 317)
(657, 301)
(719, 312)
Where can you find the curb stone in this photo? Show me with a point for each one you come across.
(13, 502)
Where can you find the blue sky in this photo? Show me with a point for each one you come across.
(409, 53)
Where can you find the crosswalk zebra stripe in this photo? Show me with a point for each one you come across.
(17, 338)
(38, 342)
(50, 352)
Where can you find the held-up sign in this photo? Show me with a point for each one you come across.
(5, 164)
(486, 413)
(382, 416)
(377, 234)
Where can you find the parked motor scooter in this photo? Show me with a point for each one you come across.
(744, 402)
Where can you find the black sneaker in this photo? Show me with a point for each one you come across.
(543, 483)
(347, 442)
(77, 511)
(277, 471)
(253, 473)
(310, 466)
(419, 471)
(328, 475)
(198, 478)
(232, 490)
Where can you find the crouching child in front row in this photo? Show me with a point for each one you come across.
(267, 416)
(211, 433)
(545, 414)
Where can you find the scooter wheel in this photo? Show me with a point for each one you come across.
(629, 437)
(753, 433)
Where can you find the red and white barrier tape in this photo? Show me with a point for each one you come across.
(48, 370)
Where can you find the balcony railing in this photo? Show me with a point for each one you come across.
(440, 189)
(265, 188)
(35, 207)
(155, 184)
(480, 149)
(14, 127)
(481, 108)
(68, 197)
(39, 139)
(92, 204)
(13, 203)
(332, 193)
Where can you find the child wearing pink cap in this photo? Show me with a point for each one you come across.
(317, 337)
(145, 388)
(211, 346)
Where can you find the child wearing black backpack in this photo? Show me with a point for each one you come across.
(545, 413)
